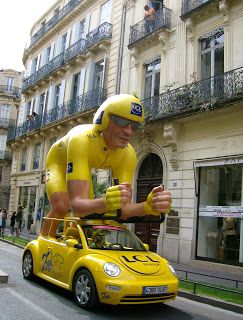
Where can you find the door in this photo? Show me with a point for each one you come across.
(150, 175)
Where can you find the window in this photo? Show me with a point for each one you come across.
(42, 103)
(48, 54)
(57, 94)
(64, 42)
(5, 111)
(9, 83)
(3, 140)
(82, 29)
(152, 79)
(220, 223)
(28, 107)
(23, 159)
(212, 54)
(105, 12)
(76, 85)
(99, 74)
(36, 156)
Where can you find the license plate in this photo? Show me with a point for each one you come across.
(155, 290)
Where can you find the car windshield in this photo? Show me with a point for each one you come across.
(112, 238)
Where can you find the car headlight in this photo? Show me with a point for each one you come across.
(111, 269)
(172, 269)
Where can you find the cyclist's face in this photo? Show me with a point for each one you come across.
(116, 136)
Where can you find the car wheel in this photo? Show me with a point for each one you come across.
(27, 266)
(84, 290)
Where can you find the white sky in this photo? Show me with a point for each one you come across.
(16, 19)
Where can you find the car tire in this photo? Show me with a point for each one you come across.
(27, 265)
(84, 290)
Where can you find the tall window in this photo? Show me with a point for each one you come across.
(23, 159)
(42, 103)
(28, 107)
(9, 83)
(105, 12)
(76, 85)
(3, 140)
(57, 94)
(82, 29)
(5, 111)
(64, 42)
(152, 79)
(99, 74)
(48, 54)
(36, 156)
(212, 54)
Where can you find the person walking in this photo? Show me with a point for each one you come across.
(18, 220)
(4, 219)
(12, 222)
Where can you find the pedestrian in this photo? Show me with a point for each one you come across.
(149, 17)
(103, 144)
(1, 221)
(12, 222)
(4, 219)
(18, 220)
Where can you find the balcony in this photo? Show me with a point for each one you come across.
(43, 72)
(80, 105)
(6, 122)
(189, 7)
(204, 95)
(10, 91)
(144, 28)
(70, 6)
(101, 34)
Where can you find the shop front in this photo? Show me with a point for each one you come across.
(220, 211)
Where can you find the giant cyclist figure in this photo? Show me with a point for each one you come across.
(102, 145)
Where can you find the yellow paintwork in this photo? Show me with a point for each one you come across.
(56, 260)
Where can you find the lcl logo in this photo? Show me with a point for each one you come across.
(136, 109)
(138, 258)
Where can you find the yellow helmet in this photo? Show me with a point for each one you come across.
(126, 106)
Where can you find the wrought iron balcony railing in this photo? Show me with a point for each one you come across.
(200, 96)
(159, 20)
(13, 91)
(70, 6)
(81, 104)
(104, 31)
(77, 48)
(5, 155)
(187, 6)
(44, 71)
(6, 122)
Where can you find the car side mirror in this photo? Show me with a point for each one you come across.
(146, 246)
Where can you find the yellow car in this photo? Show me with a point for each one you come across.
(100, 261)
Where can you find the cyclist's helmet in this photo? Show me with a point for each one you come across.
(123, 105)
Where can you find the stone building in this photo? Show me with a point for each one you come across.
(9, 104)
(185, 63)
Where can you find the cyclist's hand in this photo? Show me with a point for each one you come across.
(117, 197)
(158, 201)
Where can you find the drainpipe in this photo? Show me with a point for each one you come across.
(121, 48)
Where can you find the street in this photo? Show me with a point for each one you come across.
(39, 300)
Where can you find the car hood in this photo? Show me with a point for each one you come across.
(142, 262)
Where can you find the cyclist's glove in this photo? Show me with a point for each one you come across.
(148, 209)
(113, 198)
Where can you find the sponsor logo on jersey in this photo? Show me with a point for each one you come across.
(136, 109)
(100, 117)
(70, 167)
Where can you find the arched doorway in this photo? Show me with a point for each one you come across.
(150, 175)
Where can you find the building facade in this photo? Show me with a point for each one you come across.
(185, 63)
(9, 103)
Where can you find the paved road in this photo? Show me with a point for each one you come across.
(39, 300)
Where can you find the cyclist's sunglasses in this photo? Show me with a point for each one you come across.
(123, 123)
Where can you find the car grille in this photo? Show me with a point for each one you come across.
(147, 299)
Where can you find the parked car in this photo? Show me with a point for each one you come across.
(100, 261)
